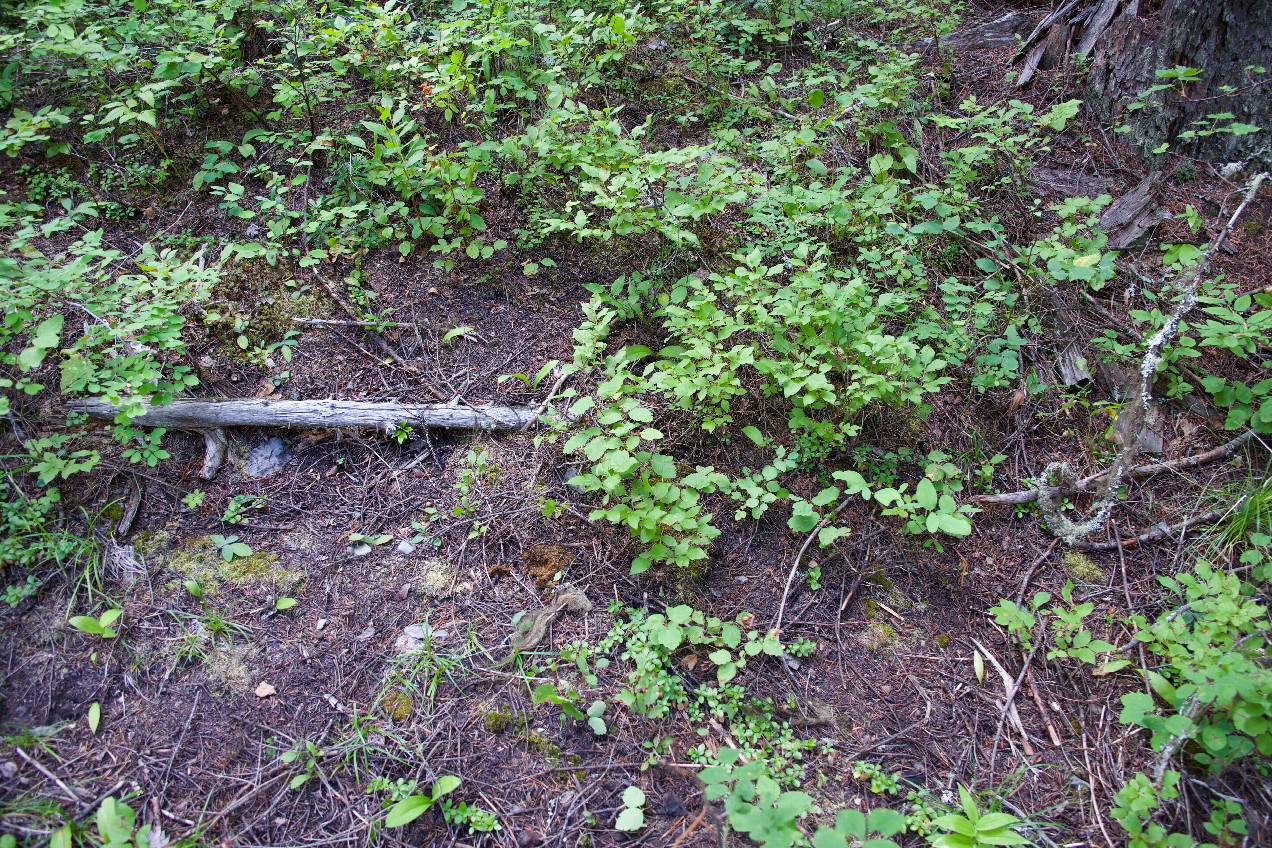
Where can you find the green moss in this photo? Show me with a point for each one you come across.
(1081, 568)
(202, 561)
(114, 512)
(539, 741)
(877, 636)
(1253, 228)
(942, 641)
(872, 609)
(497, 721)
(397, 705)
(149, 544)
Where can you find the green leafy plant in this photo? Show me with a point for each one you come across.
(412, 807)
(230, 547)
(631, 817)
(100, 626)
(973, 828)
(116, 822)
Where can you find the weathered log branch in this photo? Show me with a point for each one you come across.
(1087, 484)
(321, 414)
(210, 416)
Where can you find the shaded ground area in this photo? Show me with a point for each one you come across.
(234, 717)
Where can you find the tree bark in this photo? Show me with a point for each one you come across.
(214, 414)
(1223, 38)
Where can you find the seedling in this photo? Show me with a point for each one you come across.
(230, 547)
(100, 626)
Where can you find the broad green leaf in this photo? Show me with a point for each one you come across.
(664, 466)
(407, 810)
(446, 784)
(630, 820)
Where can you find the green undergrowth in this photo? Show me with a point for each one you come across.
(796, 239)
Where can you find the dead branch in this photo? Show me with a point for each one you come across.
(1084, 485)
(1159, 531)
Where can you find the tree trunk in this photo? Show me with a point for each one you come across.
(1222, 38)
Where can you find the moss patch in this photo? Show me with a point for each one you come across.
(438, 578)
(942, 641)
(201, 560)
(876, 636)
(228, 664)
(1080, 567)
(397, 705)
(497, 721)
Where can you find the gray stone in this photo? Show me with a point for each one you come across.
(405, 547)
(265, 459)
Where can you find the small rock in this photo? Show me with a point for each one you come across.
(791, 662)
(322, 622)
(432, 290)
(404, 591)
(527, 838)
(405, 547)
(265, 690)
(359, 550)
(265, 459)
(8, 770)
(418, 631)
(739, 579)
(369, 633)
(414, 635)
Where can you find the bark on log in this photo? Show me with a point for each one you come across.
(1222, 38)
(322, 414)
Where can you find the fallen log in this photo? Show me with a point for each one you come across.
(209, 417)
(320, 414)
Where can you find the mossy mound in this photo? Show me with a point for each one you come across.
(1081, 568)
(397, 705)
(201, 560)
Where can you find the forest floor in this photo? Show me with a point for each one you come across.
(281, 697)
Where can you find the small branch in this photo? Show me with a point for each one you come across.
(1160, 531)
(348, 310)
(790, 578)
(539, 410)
(336, 322)
(1025, 496)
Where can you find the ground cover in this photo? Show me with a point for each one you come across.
(871, 492)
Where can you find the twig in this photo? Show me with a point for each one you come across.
(1024, 584)
(1160, 531)
(163, 784)
(384, 346)
(790, 578)
(556, 387)
(51, 776)
(787, 115)
(1042, 710)
(337, 322)
(1009, 707)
